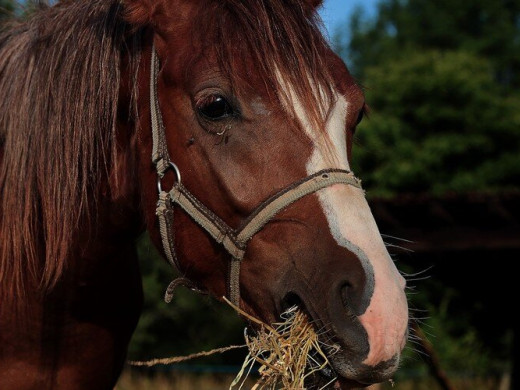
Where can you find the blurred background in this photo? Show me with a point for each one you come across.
(439, 156)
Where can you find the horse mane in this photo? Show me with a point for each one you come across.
(59, 83)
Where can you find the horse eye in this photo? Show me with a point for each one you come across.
(214, 107)
(360, 117)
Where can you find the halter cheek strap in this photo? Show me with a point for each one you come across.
(233, 240)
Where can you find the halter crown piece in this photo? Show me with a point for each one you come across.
(233, 240)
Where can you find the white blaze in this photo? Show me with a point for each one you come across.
(352, 225)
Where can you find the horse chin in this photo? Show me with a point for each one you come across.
(360, 376)
(344, 376)
(346, 371)
(347, 384)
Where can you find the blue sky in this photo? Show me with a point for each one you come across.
(336, 12)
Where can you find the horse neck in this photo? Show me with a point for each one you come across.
(116, 219)
(95, 306)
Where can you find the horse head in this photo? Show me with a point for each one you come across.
(252, 101)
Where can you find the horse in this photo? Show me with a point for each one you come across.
(225, 129)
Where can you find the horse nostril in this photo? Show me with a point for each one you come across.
(347, 293)
(344, 290)
(291, 299)
(355, 297)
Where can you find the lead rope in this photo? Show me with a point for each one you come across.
(178, 359)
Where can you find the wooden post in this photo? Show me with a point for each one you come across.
(515, 371)
(432, 359)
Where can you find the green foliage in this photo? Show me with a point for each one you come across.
(439, 124)
(459, 343)
(7, 8)
(487, 28)
(456, 340)
(442, 80)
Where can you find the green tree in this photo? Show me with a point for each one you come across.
(486, 28)
(442, 80)
(439, 123)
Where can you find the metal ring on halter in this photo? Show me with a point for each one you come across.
(177, 173)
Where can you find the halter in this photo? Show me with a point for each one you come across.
(233, 240)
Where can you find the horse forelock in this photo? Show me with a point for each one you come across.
(280, 41)
(59, 82)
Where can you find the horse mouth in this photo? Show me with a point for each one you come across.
(339, 375)
(328, 377)
(343, 372)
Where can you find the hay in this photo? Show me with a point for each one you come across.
(288, 352)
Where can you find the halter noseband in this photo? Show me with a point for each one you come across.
(234, 240)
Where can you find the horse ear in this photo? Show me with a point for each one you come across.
(140, 13)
